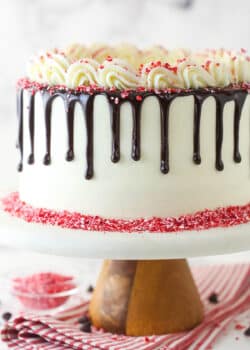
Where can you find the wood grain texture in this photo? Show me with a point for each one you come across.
(109, 305)
(146, 297)
(164, 299)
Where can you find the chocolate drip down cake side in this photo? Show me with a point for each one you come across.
(131, 140)
(129, 134)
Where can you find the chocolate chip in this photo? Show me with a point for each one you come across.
(247, 332)
(84, 319)
(213, 298)
(6, 316)
(90, 289)
(85, 323)
(86, 327)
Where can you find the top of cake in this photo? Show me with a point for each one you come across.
(126, 67)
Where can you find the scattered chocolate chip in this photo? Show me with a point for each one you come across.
(84, 319)
(6, 316)
(213, 298)
(247, 332)
(86, 327)
(90, 289)
(85, 323)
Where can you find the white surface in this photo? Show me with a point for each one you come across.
(15, 232)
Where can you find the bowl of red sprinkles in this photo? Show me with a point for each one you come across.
(44, 290)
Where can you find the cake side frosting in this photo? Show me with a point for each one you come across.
(126, 67)
(136, 153)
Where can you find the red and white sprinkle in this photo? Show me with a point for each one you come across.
(33, 86)
(202, 220)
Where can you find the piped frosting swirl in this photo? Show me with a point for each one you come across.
(117, 73)
(82, 72)
(126, 67)
(49, 68)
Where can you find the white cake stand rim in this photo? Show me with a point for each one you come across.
(17, 233)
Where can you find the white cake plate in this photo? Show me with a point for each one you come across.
(54, 240)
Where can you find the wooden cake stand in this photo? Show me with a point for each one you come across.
(150, 291)
(146, 297)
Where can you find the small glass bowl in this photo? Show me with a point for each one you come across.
(47, 295)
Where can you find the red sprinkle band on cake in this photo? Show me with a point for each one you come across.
(202, 220)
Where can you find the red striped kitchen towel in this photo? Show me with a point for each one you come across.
(231, 283)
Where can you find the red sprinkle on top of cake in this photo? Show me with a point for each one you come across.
(33, 86)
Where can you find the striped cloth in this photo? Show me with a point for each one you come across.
(230, 282)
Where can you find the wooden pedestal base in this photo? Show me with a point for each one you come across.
(146, 297)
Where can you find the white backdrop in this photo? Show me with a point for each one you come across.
(29, 25)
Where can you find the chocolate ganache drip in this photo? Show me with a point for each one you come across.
(165, 102)
(31, 158)
(20, 127)
(86, 100)
(115, 129)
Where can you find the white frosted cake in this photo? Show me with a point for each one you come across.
(123, 133)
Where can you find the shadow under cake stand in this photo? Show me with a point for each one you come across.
(147, 287)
